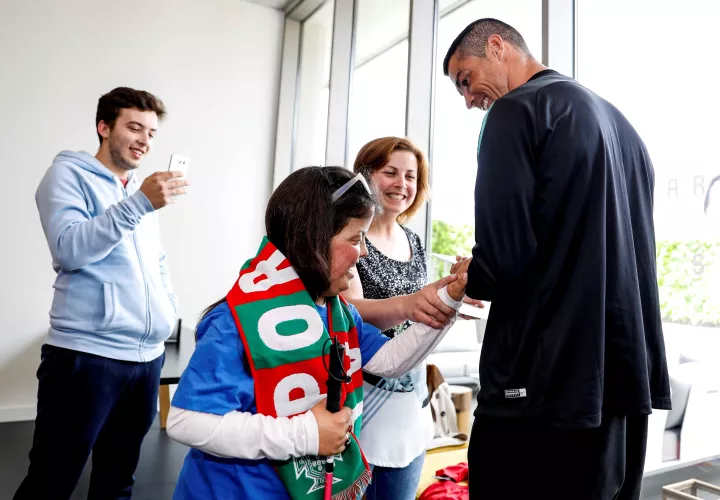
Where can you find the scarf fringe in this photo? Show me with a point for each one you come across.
(354, 491)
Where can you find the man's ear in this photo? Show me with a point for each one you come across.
(103, 129)
(495, 47)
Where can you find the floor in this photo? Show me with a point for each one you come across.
(160, 462)
(162, 458)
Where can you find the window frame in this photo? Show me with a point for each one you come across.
(559, 34)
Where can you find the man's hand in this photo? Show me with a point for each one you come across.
(333, 428)
(160, 187)
(424, 306)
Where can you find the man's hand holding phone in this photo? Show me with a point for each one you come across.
(162, 187)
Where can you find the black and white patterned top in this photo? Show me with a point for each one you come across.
(383, 277)
(395, 409)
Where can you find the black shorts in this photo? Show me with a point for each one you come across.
(514, 459)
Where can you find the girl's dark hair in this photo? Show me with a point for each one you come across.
(301, 220)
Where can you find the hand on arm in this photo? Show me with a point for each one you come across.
(423, 306)
(403, 352)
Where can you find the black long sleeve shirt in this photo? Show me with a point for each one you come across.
(565, 250)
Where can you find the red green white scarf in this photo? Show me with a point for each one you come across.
(283, 336)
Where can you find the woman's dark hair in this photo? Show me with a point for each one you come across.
(301, 220)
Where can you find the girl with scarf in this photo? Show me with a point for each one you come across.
(251, 403)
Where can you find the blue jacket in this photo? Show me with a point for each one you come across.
(113, 295)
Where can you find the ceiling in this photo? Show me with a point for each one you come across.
(274, 4)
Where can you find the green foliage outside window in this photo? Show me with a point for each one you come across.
(688, 273)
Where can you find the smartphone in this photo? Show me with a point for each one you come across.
(179, 163)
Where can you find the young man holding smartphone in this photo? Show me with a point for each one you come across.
(113, 305)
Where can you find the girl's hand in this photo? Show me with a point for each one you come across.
(456, 290)
(333, 428)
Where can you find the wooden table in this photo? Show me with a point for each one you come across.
(177, 357)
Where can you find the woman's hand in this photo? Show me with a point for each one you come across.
(424, 306)
(456, 290)
(333, 429)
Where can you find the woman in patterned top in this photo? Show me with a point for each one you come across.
(395, 410)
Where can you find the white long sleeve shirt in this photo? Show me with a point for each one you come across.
(252, 436)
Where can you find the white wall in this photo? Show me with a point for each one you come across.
(216, 65)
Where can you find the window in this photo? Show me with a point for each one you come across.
(456, 128)
(314, 88)
(667, 91)
(379, 88)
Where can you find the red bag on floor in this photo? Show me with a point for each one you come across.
(457, 472)
(449, 489)
(445, 490)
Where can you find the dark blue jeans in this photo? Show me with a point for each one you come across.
(89, 403)
(395, 483)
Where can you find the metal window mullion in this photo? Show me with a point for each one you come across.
(419, 112)
(341, 68)
(559, 30)
(287, 101)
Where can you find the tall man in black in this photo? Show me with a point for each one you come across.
(573, 358)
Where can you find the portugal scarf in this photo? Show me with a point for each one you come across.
(284, 337)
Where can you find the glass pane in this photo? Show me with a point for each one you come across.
(314, 88)
(457, 128)
(379, 87)
(667, 92)
(446, 4)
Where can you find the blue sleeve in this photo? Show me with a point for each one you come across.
(167, 283)
(505, 241)
(371, 339)
(74, 236)
(216, 380)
